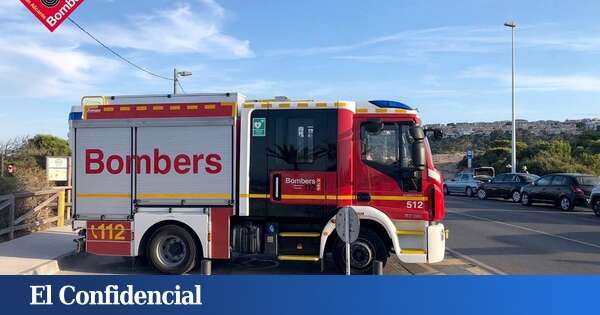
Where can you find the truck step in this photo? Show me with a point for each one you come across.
(299, 234)
(410, 232)
(298, 258)
(412, 251)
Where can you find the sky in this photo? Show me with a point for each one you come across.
(449, 59)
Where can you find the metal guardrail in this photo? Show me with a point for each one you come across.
(56, 197)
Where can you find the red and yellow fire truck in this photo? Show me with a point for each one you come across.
(181, 178)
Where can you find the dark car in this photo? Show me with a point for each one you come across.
(564, 190)
(506, 186)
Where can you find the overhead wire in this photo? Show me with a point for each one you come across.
(119, 55)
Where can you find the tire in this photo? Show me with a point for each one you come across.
(525, 199)
(367, 248)
(482, 194)
(516, 196)
(446, 190)
(172, 250)
(596, 206)
(565, 204)
(469, 192)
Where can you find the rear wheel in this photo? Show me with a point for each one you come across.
(516, 196)
(482, 194)
(469, 192)
(172, 250)
(565, 204)
(596, 206)
(525, 199)
(366, 249)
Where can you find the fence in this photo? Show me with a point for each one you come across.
(56, 198)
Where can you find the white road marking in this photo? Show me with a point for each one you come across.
(529, 229)
(477, 262)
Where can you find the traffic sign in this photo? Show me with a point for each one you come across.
(470, 154)
(347, 214)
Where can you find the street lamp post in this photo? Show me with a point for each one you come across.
(176, 75)
(513, 163)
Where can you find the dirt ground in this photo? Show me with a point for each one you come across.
(447, 163)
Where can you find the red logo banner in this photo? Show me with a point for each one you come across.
(52, 12)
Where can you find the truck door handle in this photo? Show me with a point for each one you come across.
(276, 187)
(363, 196)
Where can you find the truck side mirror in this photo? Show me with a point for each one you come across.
(419, 156)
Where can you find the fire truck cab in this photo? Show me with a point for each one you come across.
(180, 178)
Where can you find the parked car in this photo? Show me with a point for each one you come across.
(506, 186)
(566, 190)
(465, 183)
(595, 200)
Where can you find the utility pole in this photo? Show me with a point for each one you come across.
(176, 75)
(513, 163)
(174, 81)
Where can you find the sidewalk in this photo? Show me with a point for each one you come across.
(36, 253)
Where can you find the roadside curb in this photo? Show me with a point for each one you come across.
(49, 267)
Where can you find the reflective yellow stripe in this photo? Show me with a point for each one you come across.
(298, 258)
(265, 105)
(318, 197)
(141, 108)
(158, 107)
(108, 109)
(210, 106)
(228, 104)
(337, 197)
(400, 198)
(381, 110)
(410, 232)
(249, 105)
(101, 195)
(284, 105)
(192, 107)
(185, 196)
(255, 196)
(124, 109)
(302, 104)
(362, 110)
(300, 234)
(340, 104)
(321, 104)
(412, 251)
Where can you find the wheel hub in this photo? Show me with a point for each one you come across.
(516, 196)
(172, 250)
(361, 254)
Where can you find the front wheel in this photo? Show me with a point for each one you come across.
(172, 250)
(363, 252)
(516, 196)
(482, 194)
(469, 192)
(565, 204)
(596, 207)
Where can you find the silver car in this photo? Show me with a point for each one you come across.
(464, 183)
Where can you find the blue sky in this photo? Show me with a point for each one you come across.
(451, 59)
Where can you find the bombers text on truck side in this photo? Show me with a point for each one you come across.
(181, 178)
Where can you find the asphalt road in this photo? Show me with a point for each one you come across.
(490, 236)
(514, 239)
